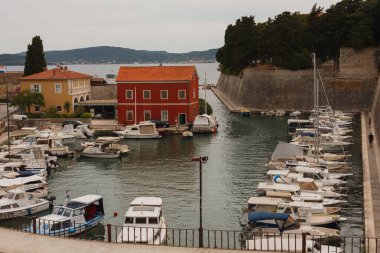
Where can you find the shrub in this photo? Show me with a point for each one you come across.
(86, 115)
(80, 109)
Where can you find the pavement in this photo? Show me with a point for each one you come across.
(371, 184)
(19, 242)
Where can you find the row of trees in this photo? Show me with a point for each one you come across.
(288, 40)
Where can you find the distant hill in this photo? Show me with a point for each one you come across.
(105, 54)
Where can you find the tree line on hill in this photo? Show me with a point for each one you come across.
(288, 40)
(116, 55)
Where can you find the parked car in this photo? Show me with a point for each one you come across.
(75, 123)
(160, 123)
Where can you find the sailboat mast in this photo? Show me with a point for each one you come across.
(205, 93)
(135, 106)
(316, 103)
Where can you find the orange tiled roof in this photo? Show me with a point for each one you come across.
(56, 73)
(155, 73)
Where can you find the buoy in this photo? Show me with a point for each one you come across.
(115, 214)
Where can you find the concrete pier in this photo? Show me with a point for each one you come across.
(371, 184)
(19, 242)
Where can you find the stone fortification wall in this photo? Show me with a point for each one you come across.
(375, 112)
(104, 92)
(352, 88)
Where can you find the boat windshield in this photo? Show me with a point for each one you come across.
(129, 220)
(9, 195)
(59, 210)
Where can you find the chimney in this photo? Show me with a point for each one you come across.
(53, 73)
(65, 68)
(60, 67)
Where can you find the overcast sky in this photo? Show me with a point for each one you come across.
(170, 25)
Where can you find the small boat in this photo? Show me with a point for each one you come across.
(280, 113)
(101, 139)
(187, 134)
(205, 124)
(143, 130)
(54, 146)
(72, 217)
(105, 150)
(295, 114)
(270, 113)
(144, 222)
(289, 244)
(18, 202)
(245, 112)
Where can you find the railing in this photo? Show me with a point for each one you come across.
(218, 239)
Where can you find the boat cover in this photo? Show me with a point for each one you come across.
(259, 216)
(286, 151)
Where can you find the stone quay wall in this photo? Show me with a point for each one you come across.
(350, 89)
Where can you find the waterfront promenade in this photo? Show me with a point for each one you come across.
(371, 184)
(19, 242)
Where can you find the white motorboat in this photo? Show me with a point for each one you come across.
(101, 139)
(72, 217)
(205, 124)
(143, 130)
(54, 146)
(18, 202)
(187, 134)
(280, 113)
(144, 222)
(106, 149)
(295, 113)
(292, 244)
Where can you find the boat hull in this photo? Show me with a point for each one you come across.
(100, 155)
(32, 209)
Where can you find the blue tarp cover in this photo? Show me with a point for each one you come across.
(257, 216)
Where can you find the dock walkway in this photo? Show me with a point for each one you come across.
(371, 182)
(19, 242)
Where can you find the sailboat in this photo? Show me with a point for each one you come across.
(205, 123)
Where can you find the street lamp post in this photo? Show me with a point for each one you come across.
(200, 159)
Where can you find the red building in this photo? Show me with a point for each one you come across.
(167, 93)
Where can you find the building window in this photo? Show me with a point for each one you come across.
(164, 115)
(36, 108)
(59, 108)
(129, 94)
(146, 94)
(182, 94)
(129, 115)
(58, 88)
(36, 87)
(147, 115)
(164, 94)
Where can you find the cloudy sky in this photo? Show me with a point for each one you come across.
(170, 25)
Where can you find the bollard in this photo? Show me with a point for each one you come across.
(34, 224)
(109, 233)
(303, 242)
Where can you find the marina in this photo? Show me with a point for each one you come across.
(238, 158)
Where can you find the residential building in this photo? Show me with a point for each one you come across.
(58, 85)
(9, 78)
(168, 93)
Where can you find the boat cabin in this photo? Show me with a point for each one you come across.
(78, 211)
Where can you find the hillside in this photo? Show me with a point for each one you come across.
(105, 54)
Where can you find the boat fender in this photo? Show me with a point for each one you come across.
(72, 230)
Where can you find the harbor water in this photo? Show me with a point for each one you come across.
(237, 155)
(163, 168)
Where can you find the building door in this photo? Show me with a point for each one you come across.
(164, 115)
(182, 118)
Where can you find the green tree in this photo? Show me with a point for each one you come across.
(26, 98)
(67, 106)
(35, 58)
(201, 109)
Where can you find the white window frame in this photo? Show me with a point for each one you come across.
(33, 88)
(130, 111)
(167, 115)
(179, 93)
(58, 85)
(167, 94)
(150, 115)
(144, 94)
(126, 94)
